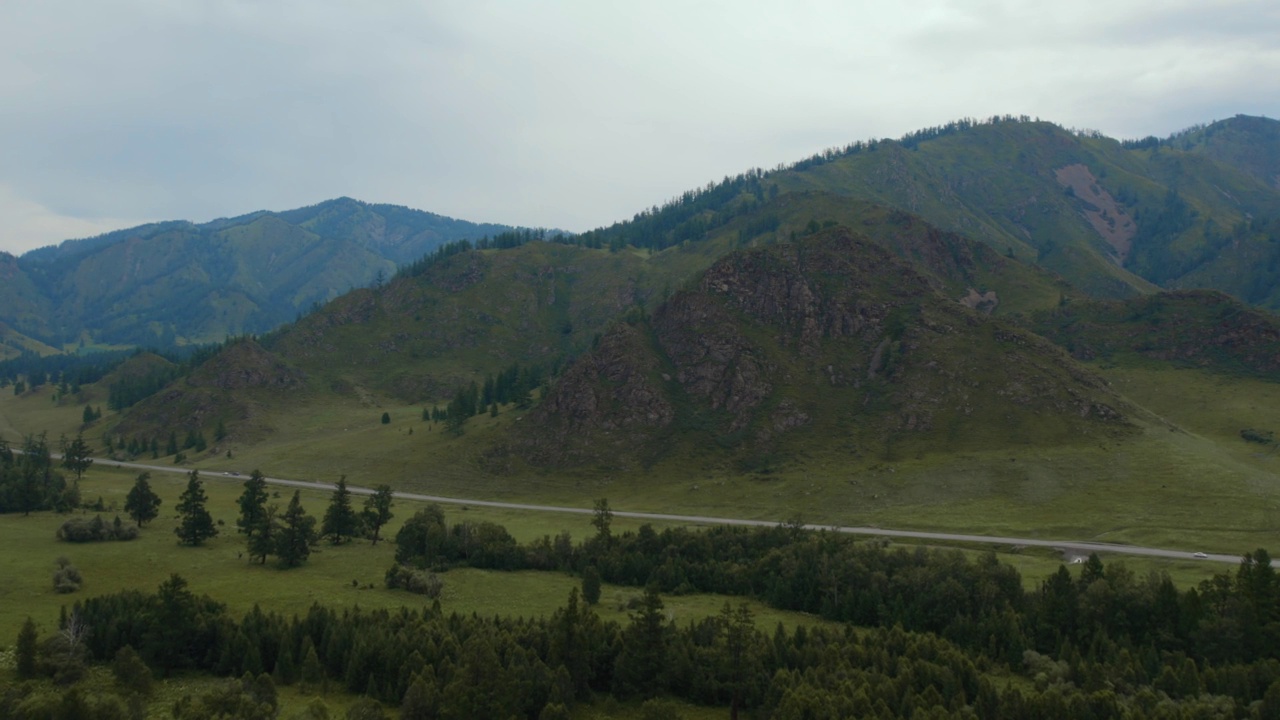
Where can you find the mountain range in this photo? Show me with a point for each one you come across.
(181, 283)
(956, 292)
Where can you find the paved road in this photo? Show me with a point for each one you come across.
(1066, 546)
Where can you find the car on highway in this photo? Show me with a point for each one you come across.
(1200, 555)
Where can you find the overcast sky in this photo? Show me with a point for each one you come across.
(557, 114)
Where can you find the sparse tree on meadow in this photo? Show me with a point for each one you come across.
(142, 504)
(602, 519)
(297, 534)
(377, 511)
(253, 503)
(196, 524)
(76, 455)
(264, 537)
(340, 520)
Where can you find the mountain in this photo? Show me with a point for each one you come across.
(1251, 144)
(828, 344)
(179, 282)
(1114, 219)
(1024, 235)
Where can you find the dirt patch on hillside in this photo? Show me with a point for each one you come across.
(982, 302)
(1104, 214)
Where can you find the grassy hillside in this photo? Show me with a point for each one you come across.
(1202, 328)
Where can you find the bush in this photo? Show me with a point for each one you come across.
(66, 579)
(422, 582)
(81, 530)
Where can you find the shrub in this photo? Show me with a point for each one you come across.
(422, 582)
(66, 579)
(81, 530)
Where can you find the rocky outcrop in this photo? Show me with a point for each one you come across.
(800, 338)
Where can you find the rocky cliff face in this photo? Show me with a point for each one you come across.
(830, 338)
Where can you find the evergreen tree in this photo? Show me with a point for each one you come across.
(253, 503)
(421, 701)
(601, 518)
(142, 504)
(340, 520)
(386, 418)
(171, 448)
(642, 661)
(591, 585)
(377, 511)
(26, 650)
(196, 524)
(131, 672)
(312, 674)
(262, 538)
(285, 673)
(76, 455)
(297, 534)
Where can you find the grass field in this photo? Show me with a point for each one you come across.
(1185, 481)
(343, 576)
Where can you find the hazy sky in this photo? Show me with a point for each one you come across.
(565, 114)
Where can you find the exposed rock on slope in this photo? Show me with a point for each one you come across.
(829, 342)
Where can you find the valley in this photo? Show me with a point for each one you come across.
(1028, 375)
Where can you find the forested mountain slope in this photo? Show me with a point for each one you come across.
(179, 282)
(1115, 219)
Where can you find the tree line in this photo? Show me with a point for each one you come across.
(979, 604)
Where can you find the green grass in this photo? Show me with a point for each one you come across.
(343, 576)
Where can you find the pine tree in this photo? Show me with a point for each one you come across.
(253, 503)
(196, 524)
(312, 673)
(285, 673)
(297, 534)
(591, 585)
(76, 455)
(262, 538)
(26, 650)
(142, 504)
(340, 520)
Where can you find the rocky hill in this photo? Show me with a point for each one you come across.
(829, 342)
